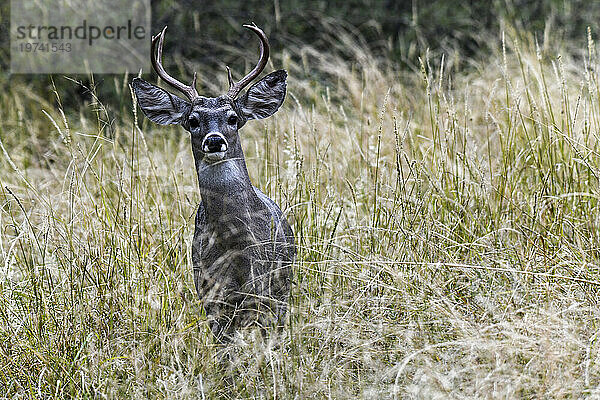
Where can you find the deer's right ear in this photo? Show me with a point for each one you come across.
(159, 105)
(264, 97)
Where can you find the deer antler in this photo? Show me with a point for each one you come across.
(156, 57)
(236, 87)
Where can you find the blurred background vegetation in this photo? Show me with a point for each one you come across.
(207, 33)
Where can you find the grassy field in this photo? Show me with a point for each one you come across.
(446, 217)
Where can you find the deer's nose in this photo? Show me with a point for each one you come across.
(214, 143)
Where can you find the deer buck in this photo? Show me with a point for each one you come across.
(243, 246)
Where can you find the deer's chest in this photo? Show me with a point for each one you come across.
(233, 240)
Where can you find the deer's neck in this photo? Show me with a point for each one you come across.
(226, 190)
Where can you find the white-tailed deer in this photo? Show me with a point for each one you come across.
(243, 246)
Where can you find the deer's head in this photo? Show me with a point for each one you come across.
(213, 122)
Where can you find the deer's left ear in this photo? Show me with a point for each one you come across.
(264, 97)
(159, 105)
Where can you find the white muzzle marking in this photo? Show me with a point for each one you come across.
(214, 156)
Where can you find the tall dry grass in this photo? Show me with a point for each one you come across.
(446, 220)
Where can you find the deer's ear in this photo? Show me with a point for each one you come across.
(159, 105)
(264, 97)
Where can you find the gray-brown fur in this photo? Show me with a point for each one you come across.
(243, 246)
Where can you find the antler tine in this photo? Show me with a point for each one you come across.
(229, 76)
(156, 57)
(235, 88)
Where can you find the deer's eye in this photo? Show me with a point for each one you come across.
(193, 121)
(232, 120)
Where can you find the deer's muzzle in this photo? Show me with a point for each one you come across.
(214, 145)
